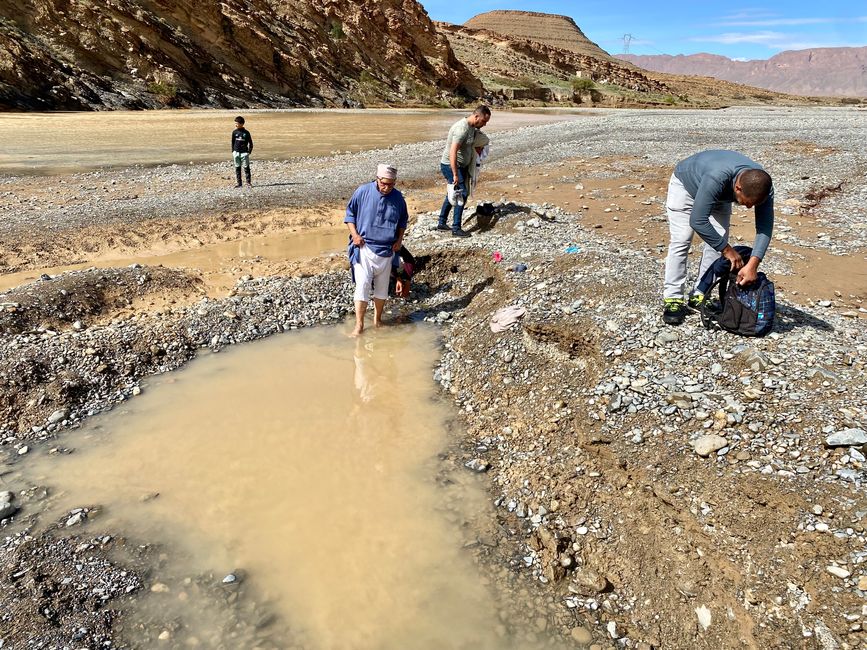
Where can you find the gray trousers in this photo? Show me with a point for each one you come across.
(678, 207)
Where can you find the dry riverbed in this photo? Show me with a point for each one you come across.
(654, 487)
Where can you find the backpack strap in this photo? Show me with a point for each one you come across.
(710, 318)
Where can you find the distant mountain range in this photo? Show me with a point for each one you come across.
(827, 71)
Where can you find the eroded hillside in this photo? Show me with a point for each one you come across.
(82, 54)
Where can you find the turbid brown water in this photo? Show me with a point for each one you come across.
(310, 462)
(49, 143)
(213, 260)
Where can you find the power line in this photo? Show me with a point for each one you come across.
(627, 39)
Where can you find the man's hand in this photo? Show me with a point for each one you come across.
(732, 256)
(749, 273)
(396, 246)
(357, 239)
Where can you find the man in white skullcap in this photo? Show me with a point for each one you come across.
(376, 216)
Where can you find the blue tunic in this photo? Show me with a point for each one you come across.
(377, 218)
(709, 177)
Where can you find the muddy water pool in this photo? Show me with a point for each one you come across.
(51, 143)
(310, 464)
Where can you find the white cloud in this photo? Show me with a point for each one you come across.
(730, 38)
(779, 22)
(750, 14)
(771, 40)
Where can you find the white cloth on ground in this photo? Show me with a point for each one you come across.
(371, 269)
(504, 318)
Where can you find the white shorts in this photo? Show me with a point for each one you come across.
(371, 269)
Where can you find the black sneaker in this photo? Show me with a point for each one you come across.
(674, 311)
(460, 233)
(441, 226)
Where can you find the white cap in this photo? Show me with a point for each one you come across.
(386, 171)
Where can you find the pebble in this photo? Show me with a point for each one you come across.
(58, 416)
(840, 572)
(704, 616)
(478, 465)
(581, 635)
(75, 519)
(706, 445)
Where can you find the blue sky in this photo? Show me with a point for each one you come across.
(737, 30)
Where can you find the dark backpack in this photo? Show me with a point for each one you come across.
(747, 311)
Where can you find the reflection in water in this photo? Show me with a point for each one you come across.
(309, 461)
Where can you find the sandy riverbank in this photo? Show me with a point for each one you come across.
(584, 415)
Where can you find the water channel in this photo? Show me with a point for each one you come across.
(214, 260)
(309, 463)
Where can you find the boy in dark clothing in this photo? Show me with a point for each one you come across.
(242, 147)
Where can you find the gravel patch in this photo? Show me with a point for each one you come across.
(656, 484)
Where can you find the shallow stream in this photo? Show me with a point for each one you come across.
(214, 260)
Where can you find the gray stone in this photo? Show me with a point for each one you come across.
(58, 416)
(847, 438)
(7, 508)
(478, 465)
(823, 374)
(76, 519)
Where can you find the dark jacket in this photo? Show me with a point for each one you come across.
(242, 141)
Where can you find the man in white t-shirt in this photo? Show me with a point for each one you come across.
(455, 162)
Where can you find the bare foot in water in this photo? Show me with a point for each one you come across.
(357, 331)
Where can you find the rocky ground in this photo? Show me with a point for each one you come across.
(657, 487)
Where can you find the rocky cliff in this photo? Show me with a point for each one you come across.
(502, 61)
(840, 71)
(553, 30)
(92, 54)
